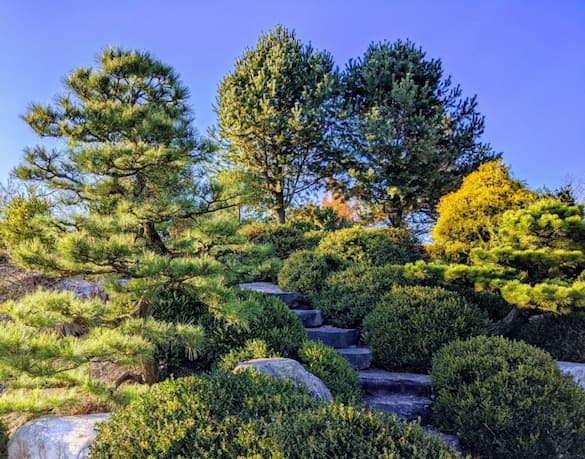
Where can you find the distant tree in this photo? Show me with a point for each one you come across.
(124, 171)
(410, 135)
(276, 113)
(470, 217)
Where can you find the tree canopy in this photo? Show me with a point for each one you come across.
(409, 134)
(276, 113)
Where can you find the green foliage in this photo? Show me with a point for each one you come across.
(220, 415)
(348, 296)
(252, 349)
(333, 369)
(507, 399)
(276, 116)
(285, 239)
(471, 216)
(305, 271)
(269, 320)
(410, 324)
(22, 218)
(327, 218)
(3, 441)
(346, 432)
(248, 262)
(562, 336)
(373, 247)
(411, 137)
(52, 339)
(492, 303)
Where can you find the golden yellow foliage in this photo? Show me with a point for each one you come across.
(470, 216)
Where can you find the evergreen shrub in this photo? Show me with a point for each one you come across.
(285, 239)
(507, 399)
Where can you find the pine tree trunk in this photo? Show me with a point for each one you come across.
(153, 239)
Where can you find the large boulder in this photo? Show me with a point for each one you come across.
(55, 437)
(287, 368)
(575, 370)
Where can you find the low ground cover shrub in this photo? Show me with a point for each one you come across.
(374, 247)
(337, 431)
(219, 415)
(507, 399)
(562, 336)
(334, 370)
(410, 324)
(348, 296)
(305, 271)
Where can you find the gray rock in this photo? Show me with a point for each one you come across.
(333, 336)
(575, 370)
(407, 407)
(380, 382)
(84, 289)
(310, 318)
(55, 437)
(287, 368)
(359, 358)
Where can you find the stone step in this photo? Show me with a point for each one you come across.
(291, 299)
(358, 357)
(407, 407)
(310, 318)
(333, 336)
(450, 440)
(377, 382)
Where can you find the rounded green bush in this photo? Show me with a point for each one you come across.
(334, 370)
(492, 303)
(305, 271)
(373, 247)
(219, 415)
(252, 349)
(348, 296)
(285, 239)
(562, 336)
(410, 324)
(272, 321)
(337, 431)
(507, 399)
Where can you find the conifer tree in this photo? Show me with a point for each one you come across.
(122, 172)
(276, 113)
(410, 135)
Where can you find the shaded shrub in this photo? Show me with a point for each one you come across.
(562, 336)
(492, 303)
(252, 349)
(305, 271)
(334, 370)
(285, 239)
(348, 296)
(374, 247)
(270, 320)
(337, 431)
(178, 304)
(248, 262)
(221, 415)
(410, 324)
(507, 399)
(3, 441)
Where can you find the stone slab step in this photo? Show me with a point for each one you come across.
(377, 382)
(291, 299)
(333, 336)
(407, 407)
(310, 318)
(358, 357)
(450, 440)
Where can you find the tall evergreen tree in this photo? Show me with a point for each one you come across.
(276, 112)
(410, 135)
(122, 172)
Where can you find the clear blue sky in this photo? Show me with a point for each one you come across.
(524, 59)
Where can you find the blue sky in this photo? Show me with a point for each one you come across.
(524, 59)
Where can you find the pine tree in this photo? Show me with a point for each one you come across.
(276, 113)
(410, 136)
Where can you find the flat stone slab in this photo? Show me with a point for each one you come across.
(333, 336)
(407, 407)
(575, 370)
(55, 437)
(310, 318)
(380, 382)
(280, 368)
(291, 299)
(358, 357)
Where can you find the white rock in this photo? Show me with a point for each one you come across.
(55, 437)
(575, 370)
(287, 368)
